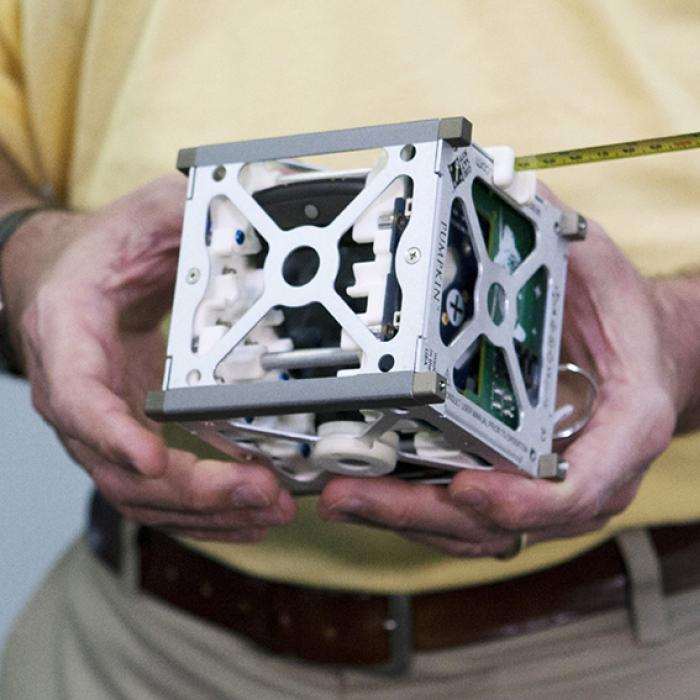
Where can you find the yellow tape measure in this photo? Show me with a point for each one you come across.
(593, 154)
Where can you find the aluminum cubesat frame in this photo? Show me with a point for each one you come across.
(442, 165)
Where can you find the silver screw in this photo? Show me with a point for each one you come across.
(193, 275)
(413, 255)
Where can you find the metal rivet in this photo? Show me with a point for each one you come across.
(311, 211)
(390, 625)
(284, 619)
(330, 632)
(193, 275)
(219, 173)
(413, 255)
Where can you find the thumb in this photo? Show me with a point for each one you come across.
(145, 228)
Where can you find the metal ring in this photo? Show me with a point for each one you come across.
(588, 410)
(517, 548)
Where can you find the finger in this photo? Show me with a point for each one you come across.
(204, 495)
(101, 420)
(502, 545)
(72, 377)
(190, 485)
(224, 521)
(157, 204)
(403, 507)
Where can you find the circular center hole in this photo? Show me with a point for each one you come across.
(497, 303)
(300, 266)
(353, 464)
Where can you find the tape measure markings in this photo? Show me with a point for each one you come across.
(593, 154)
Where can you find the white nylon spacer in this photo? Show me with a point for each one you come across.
(340, 450)
(521, 185)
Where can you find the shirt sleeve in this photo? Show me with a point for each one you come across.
(15, 132)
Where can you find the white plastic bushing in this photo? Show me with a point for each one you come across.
(520, 185)
(340, 450)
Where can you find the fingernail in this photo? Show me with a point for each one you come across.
(474, 498)
(250, 496)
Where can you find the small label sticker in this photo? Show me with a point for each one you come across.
(459, 168)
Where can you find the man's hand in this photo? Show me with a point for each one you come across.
(615, 328)
(87, 295)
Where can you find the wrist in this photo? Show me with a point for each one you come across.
(30, 240)
(678, 305)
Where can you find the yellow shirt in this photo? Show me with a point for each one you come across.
(97, 98)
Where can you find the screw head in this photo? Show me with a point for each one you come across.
(413, 255)
(193, 275)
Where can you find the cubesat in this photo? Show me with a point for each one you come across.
(401, 317)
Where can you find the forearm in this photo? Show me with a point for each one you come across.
(679, 322)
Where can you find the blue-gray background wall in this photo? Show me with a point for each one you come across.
(43, 497)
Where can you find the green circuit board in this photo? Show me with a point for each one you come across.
(483, 374)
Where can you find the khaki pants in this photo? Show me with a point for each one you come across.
(85, 635)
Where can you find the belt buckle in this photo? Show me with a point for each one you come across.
(399, 627)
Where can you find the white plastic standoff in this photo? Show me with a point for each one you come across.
(341, 449)
(520, 186)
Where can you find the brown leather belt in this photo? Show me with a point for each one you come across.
(340, 627)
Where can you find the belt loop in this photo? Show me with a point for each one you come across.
(399, 625)
(114, 541)
(130, 574)
(647, 603)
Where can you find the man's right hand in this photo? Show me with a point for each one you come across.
(87, 294)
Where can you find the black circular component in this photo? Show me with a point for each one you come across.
(219, 173)
(386, 362)
(300, 266)
(312, 326)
